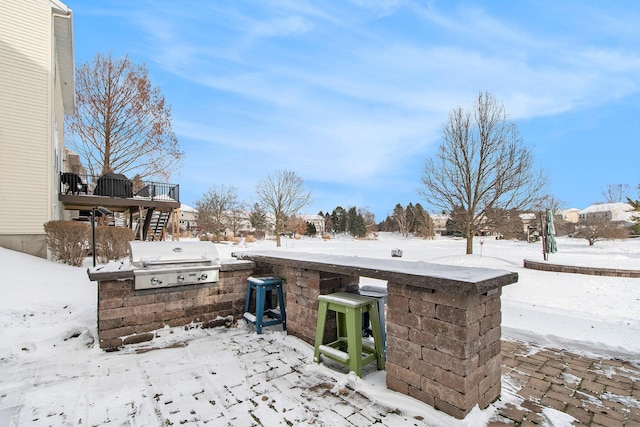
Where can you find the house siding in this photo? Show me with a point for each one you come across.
(28, 165)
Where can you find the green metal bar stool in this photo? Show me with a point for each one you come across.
(350, 349)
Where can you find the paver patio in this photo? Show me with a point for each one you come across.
(263, 380)
(594, 391)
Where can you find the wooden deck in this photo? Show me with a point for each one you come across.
(115, 204)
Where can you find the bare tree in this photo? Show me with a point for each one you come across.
(506, 223)
(369, 220)
(404, 218)
(296, 225)
(547, 201)
(213, 206)
(615, 193)
(328, 223)
(123, 123)
(482, 163)
(599, 227)
(236, 217)
(282, 195)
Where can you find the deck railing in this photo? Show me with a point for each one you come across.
(115, 185)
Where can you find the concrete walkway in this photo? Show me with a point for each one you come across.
(595, 392)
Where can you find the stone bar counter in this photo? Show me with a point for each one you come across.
(443, 322)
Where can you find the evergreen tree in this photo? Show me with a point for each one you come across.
(352, 214)
(258, 219)
(411, 217)
(358, 227)
(455, 223)
(339, 218)
(311, 229)
(388, 225)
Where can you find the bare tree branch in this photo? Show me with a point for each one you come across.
(615, 193)
(214, 206)
(282, 195)
(482, 163)
(123, 123)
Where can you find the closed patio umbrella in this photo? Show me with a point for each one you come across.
(551, 244)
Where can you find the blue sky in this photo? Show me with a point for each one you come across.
(352, 95)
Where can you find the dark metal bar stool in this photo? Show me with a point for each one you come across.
(264, 287)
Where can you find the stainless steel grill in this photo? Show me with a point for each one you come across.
(166, 264)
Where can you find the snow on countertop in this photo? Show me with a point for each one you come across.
(415, 268)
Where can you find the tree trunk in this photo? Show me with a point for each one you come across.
(278, 226)
(469, 242)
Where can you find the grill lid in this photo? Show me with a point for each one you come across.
(143, 254)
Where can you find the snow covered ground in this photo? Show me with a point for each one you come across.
(53, 373)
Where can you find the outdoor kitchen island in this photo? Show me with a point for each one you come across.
(443, 322)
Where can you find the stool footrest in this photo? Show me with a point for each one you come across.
(367, 345)
(334, 353)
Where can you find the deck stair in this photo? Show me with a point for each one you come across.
(154, 224)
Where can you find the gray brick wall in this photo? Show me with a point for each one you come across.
(126, 316)
(444, 348)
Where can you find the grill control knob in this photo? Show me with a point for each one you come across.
(203, 276)
(155, 281)
(180, 278)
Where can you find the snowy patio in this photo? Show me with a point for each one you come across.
(53, 373)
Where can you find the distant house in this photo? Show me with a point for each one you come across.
(316, 220)
(188, 218)
(37, 89)
(570, 215)
(530, 224)
(440, 223)
(621, 213)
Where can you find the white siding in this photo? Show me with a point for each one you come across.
(26, 116)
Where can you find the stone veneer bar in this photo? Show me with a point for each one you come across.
(443, 324)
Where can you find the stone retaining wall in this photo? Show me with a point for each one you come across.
(592, 271)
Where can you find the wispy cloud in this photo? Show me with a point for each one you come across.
(369, 83)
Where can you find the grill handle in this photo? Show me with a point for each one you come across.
(175, 261)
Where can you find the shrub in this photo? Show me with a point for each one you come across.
(68, 241)
(250, 238)
(619, 234)
(112, 242)
(326, 236)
